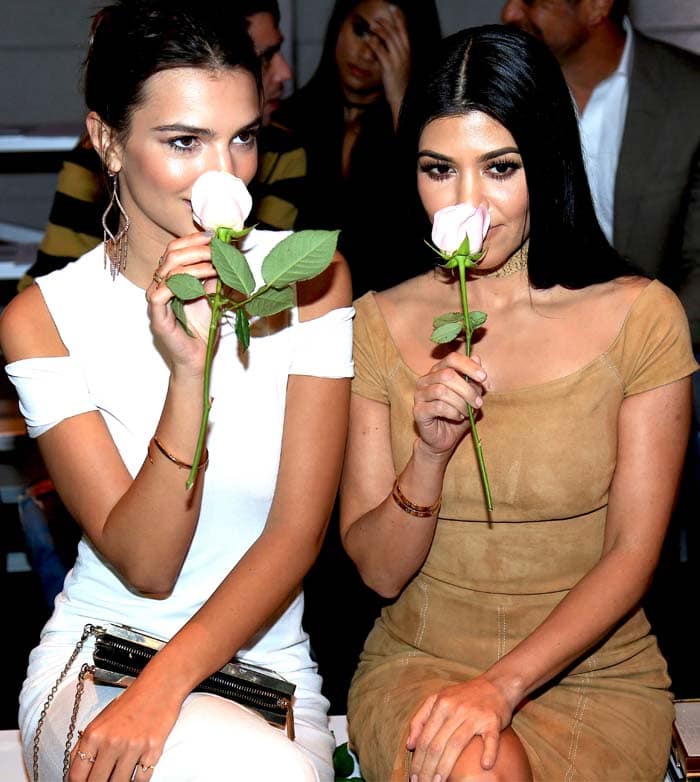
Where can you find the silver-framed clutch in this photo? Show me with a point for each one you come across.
(121, 652)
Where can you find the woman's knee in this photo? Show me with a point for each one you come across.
(217, 739)
(511, 764)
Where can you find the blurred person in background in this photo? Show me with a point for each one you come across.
(345, 117)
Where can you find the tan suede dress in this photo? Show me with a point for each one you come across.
(550, 451)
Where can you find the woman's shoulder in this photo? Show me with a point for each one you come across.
(641, 300)
(386, 313)
(329, 290)
(30, 324)
(75, 277)
(27, 329)
(604, 307)
(405, 298)
(653, 345)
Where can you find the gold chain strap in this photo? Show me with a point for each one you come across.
(79, 687)
(87, 632)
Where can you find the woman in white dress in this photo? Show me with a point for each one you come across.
(103, 368)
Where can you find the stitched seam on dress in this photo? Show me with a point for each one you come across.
(574, 736)
(578, 721)
(423, 614)
(501, 632)
(578, 730)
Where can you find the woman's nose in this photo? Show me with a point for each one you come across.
(470, 191)
(282, 69)
(221, 159)
(366, 53)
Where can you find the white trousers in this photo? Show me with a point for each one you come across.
(213, 740)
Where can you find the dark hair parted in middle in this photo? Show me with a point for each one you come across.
(513, 78)
(134, 39)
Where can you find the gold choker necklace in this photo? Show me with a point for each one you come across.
(516, 263)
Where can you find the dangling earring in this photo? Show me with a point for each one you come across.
(115, 245)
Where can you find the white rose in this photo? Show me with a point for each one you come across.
(220, 200)
(453, 223)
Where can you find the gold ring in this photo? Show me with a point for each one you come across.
(161, 259)
(146, 768)
(84, 756)
(157, 278)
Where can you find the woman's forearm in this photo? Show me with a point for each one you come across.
(590, 611)
(142, 526)
(389, 545)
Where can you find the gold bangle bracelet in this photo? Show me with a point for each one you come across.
(422, 511)
(173, 459)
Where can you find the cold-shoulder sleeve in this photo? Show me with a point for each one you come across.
(369, 351)
(322, 347)
(654, 347)
(50, 390)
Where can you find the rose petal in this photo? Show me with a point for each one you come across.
(220, 199)
(452, 223)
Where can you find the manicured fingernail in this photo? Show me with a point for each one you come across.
(414, 777)
(208, 232)
(478, 402)
(437, 778)
(480, 375)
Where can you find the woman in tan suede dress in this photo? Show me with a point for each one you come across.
(516, 649)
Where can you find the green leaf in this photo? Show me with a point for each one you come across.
(447, 332)
(186, 287)
(300, 256)
(232, 266)
(178, 309)
(271, 301)
(242, 328)
(477, 319)
(448, 317)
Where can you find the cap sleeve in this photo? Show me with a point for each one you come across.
(655, 347)
(50, 390)
(322, 347)
(370, 351)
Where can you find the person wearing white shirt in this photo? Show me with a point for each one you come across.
(639, 104)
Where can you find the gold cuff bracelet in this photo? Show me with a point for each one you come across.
(422, 511)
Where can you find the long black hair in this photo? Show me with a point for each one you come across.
(422, 26)
(134, 39)
(515, 79)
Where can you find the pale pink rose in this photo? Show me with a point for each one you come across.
(220, 200)
(453, 223)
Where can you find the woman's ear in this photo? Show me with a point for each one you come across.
(104, 141)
